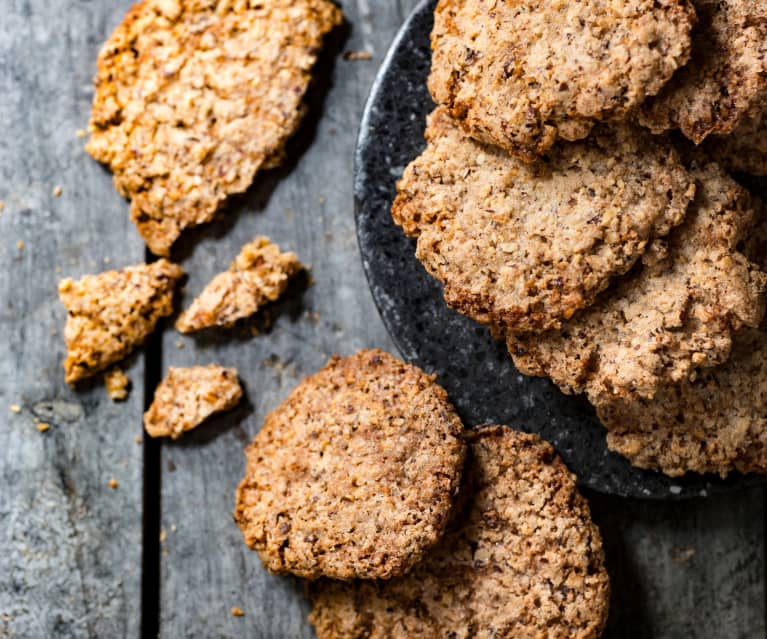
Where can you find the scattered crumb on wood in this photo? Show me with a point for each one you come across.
(179, 344)
(81, 133)
(57, 191)
(138, 439)
(163, 536)
(237, 611)
(117, 384)
(322, 199)
(683, 554)
(57, 269)
(42, 427)
(113, 483)
(15, 408)
(107, 260)
(173, 528)
(54, 331)
(358, 55)
(20, 245)
(2, 205)
(255, 331)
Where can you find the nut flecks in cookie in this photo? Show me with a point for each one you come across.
(745, 149)
(188, 396)
(521, 558)
(111, 313)
(259, 275)
(523, 246)
(676, 313)
(725, 77)
(194, 97)
(522, 74)
(354, 474)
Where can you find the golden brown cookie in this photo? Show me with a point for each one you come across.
(523, 246)
(194, 97)
(111, 313)
(726, 74)
(355, 473)
(257, 276)
(522, 74)
(188, 396)
(745, 149)
(715, 423)
(675, 313)
(522, 558)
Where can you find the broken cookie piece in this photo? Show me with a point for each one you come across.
(194, 98)
(258, 275)
(188, 396)
(117, 384)
(112, 313)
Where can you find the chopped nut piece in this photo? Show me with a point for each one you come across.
(117, 384)
(237, 612)
(15, 408)
(113, 483)
(258, 275)
(358, 55)
(57, 191)
(113, 312)
(42, 426)
(188, 396)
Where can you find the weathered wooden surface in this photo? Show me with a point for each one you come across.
(70, 547)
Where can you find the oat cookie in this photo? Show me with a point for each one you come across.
(111, 313)
(716, 423)
(522, 246)
(355, 473)
(188, 396)
(194, 97)
(725, 76)
(745, 149)
(675, 313)
(522, 74)
(257, 276)
(521, 559)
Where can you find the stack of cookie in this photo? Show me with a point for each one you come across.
(365, 482)
(562, 201)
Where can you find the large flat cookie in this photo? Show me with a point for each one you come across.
(522, 74)
(676, 313)
(726, 74)
(355, 473)
(522, 246)
(522, 559)
(194, 97)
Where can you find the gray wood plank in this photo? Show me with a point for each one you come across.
(70, 547)
(663, 589)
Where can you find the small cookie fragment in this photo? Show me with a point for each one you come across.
(188, 396)
(117, 384)
(522, 558)
(258, 275)
(520, 75)
(523, 246)
(194, 98)
(676, 313)
(725, 77)
(355, 473)
(716, 423)
(112, 313)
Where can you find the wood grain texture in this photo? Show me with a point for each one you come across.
(70, 546)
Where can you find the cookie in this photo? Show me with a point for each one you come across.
(112, 313)
(521, 559)
(674, 313)
(523, 246)
(194, 97)
(745, 149)
(522, 74)
(355, 473)
(188, 396)
(258, 275)
(726, 74)
(715, 423)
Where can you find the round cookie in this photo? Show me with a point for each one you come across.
(521, 559)
(354, 474)
(726, 75)
(716, 423)
(523, 246)
(676, 313)
(522, 74)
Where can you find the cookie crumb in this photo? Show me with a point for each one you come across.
(15, 408)
(107, 260)
(113, 483)
(117, 384)
(42, 427)
(81, 133)
(358, 55)
(179, 344)
(20, 245)
(57, 191)
(237, 611)
(2, 205)
(163, 536)
(138, 439)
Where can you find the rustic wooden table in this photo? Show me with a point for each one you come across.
(160, 555)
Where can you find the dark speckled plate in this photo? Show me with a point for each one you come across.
(475, 369)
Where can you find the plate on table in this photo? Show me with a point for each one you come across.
(476, 370)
